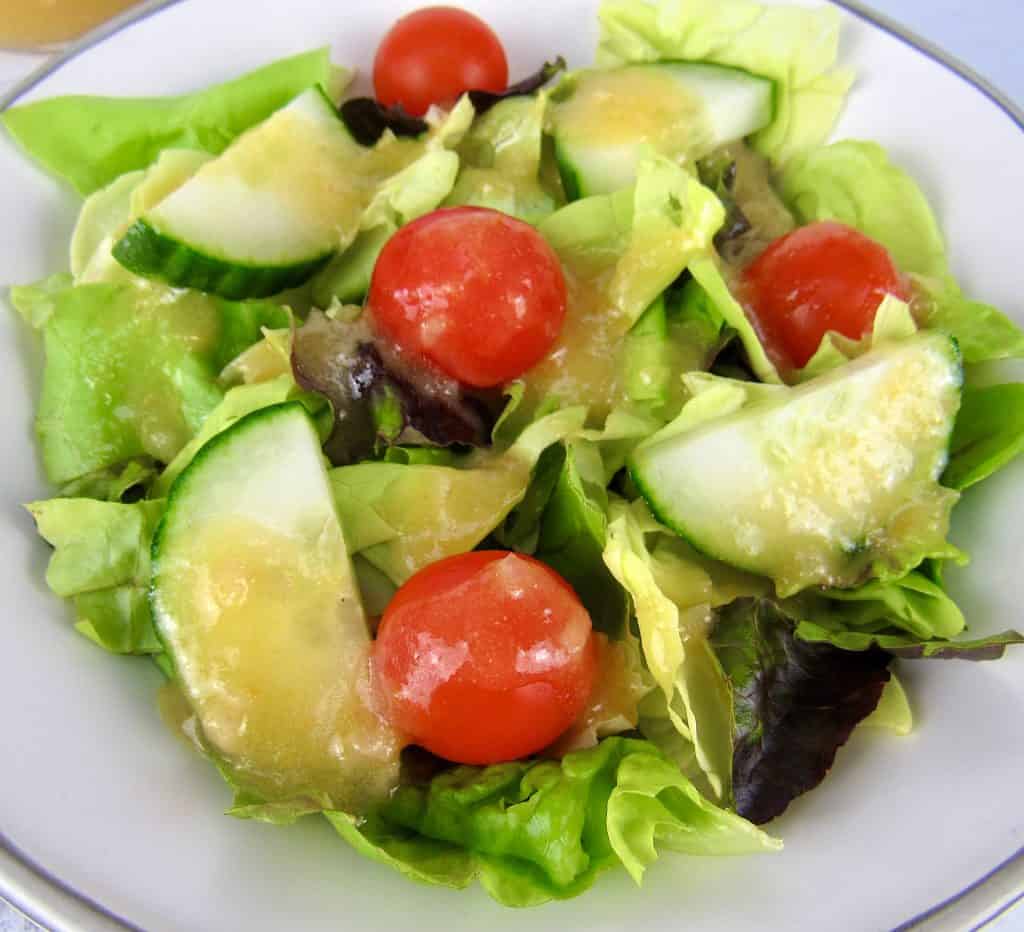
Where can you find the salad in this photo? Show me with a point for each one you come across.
(527, 478)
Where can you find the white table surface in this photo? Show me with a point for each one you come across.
(985, 34)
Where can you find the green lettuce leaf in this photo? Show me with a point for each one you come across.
(101, 562)
(672, 603)
(37, 302)
(982, 331)
(89, 141)
(856, 183)
(988, 434)
(238, 402)
(679, 332)
(147, 385)
(914, 604)
(521, 528)
(572, 533)
(646, 234)
(620, 252)
(419, 858)
(893, 321)
(796, 46)
(115, 483)
(796, 703)
(912, 617)
(410, 193)
(893, 712)
(402, 517)
(654, 805)
(539, 830)
(107, 213)
(501, 158)
(717, 299)
(991, 647)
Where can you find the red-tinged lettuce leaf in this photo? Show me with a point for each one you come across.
(910, 648)
(796, 703)
(375, 398)
(483, 100)
(367, 120)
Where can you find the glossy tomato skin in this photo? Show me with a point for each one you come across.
(476, 293)
(823, 276)
(484, 657)
(434, 55)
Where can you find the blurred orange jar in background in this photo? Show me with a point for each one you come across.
(40, 24)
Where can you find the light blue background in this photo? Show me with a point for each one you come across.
(985, 34)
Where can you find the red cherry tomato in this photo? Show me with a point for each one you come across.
(485, 657)
(434, 55)
(477, 293)
(821, 277)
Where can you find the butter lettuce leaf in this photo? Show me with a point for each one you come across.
(101, 562)
(991, 647)
(501, 158)
(572, 533)
(982, 331)
(912, 617)
(89, 141)
(426, 860)
(855, 183)
(988, 434)
(914, 604)
(36, 302)
(400, 517)
(672, 603)
(679, 332)
(131, 371)
(718, 299)
(893, 322)
(795, 46)
(533, 831)
(415, 190)
(893, 712)
(116, 483)
(236, 404)
(645, 235)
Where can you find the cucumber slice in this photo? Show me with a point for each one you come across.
(262, 217)
(255, 599)
(682, 110)
(821, 484)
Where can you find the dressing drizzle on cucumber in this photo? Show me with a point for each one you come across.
(821, 485)
(255, 600)
(605, 121)
(270, 211)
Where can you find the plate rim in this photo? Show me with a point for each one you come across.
(53, 904)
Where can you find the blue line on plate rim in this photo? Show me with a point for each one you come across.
(930, 50)
(12, 849)
(909, 38)
(998, 911)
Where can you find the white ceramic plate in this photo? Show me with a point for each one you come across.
(104, 815)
